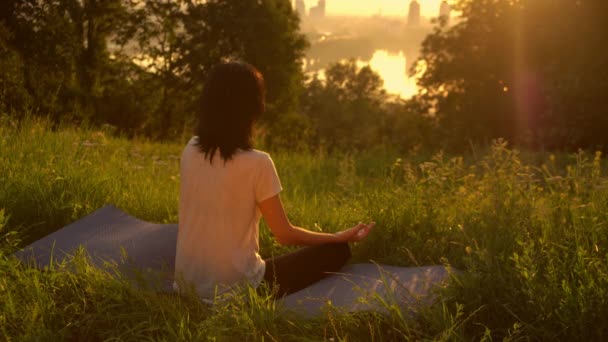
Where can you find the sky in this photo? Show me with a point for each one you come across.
(429, 8)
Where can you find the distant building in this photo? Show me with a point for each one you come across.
(413, 17)
(301, 8)
(445, 11)
(319, 10)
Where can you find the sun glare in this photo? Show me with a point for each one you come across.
(393, 70)
(429, 8)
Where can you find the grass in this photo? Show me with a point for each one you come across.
(530, 232)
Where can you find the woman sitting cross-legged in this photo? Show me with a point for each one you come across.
(226, 186)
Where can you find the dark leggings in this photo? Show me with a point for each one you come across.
(304, 267)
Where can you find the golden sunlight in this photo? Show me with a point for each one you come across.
(393, 69)
(429, 8)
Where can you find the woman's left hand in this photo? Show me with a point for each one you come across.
(356, 233)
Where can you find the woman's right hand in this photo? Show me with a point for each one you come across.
(356, 233)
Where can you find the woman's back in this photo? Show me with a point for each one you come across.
(218, 218)
(222, 200)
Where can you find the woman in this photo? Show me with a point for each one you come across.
(226, 186)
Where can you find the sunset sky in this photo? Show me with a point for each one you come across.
(371, 7)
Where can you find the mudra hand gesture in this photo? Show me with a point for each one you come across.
(356, 233)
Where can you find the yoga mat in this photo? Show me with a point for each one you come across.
(109, 233)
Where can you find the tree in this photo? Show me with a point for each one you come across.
(13, 95)
(346, 110)
(527, 70)
(350, 109)
(77, 59)
(64, 45)
(264, 33)
(156, 27)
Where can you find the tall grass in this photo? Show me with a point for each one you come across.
(529, 233)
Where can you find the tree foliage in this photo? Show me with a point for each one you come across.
(139, 65)
(155, 30)
(264, 33)
(13, 94)
(350, 109)
(531, 71)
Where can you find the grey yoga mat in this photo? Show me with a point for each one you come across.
(150, 248)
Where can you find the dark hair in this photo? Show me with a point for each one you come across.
(232, 100)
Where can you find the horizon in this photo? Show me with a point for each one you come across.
(363, 8)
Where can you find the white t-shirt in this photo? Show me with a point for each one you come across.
(217, 241)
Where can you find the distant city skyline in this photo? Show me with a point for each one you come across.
(428, 8)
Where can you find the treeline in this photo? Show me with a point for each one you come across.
(532, 71)
(139, 66)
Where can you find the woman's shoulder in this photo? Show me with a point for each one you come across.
(193, 141)
(260, 154)
(241, 156)
(255, 155)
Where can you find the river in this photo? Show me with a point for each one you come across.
(393, 68)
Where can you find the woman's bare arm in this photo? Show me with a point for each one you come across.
(288, 234)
